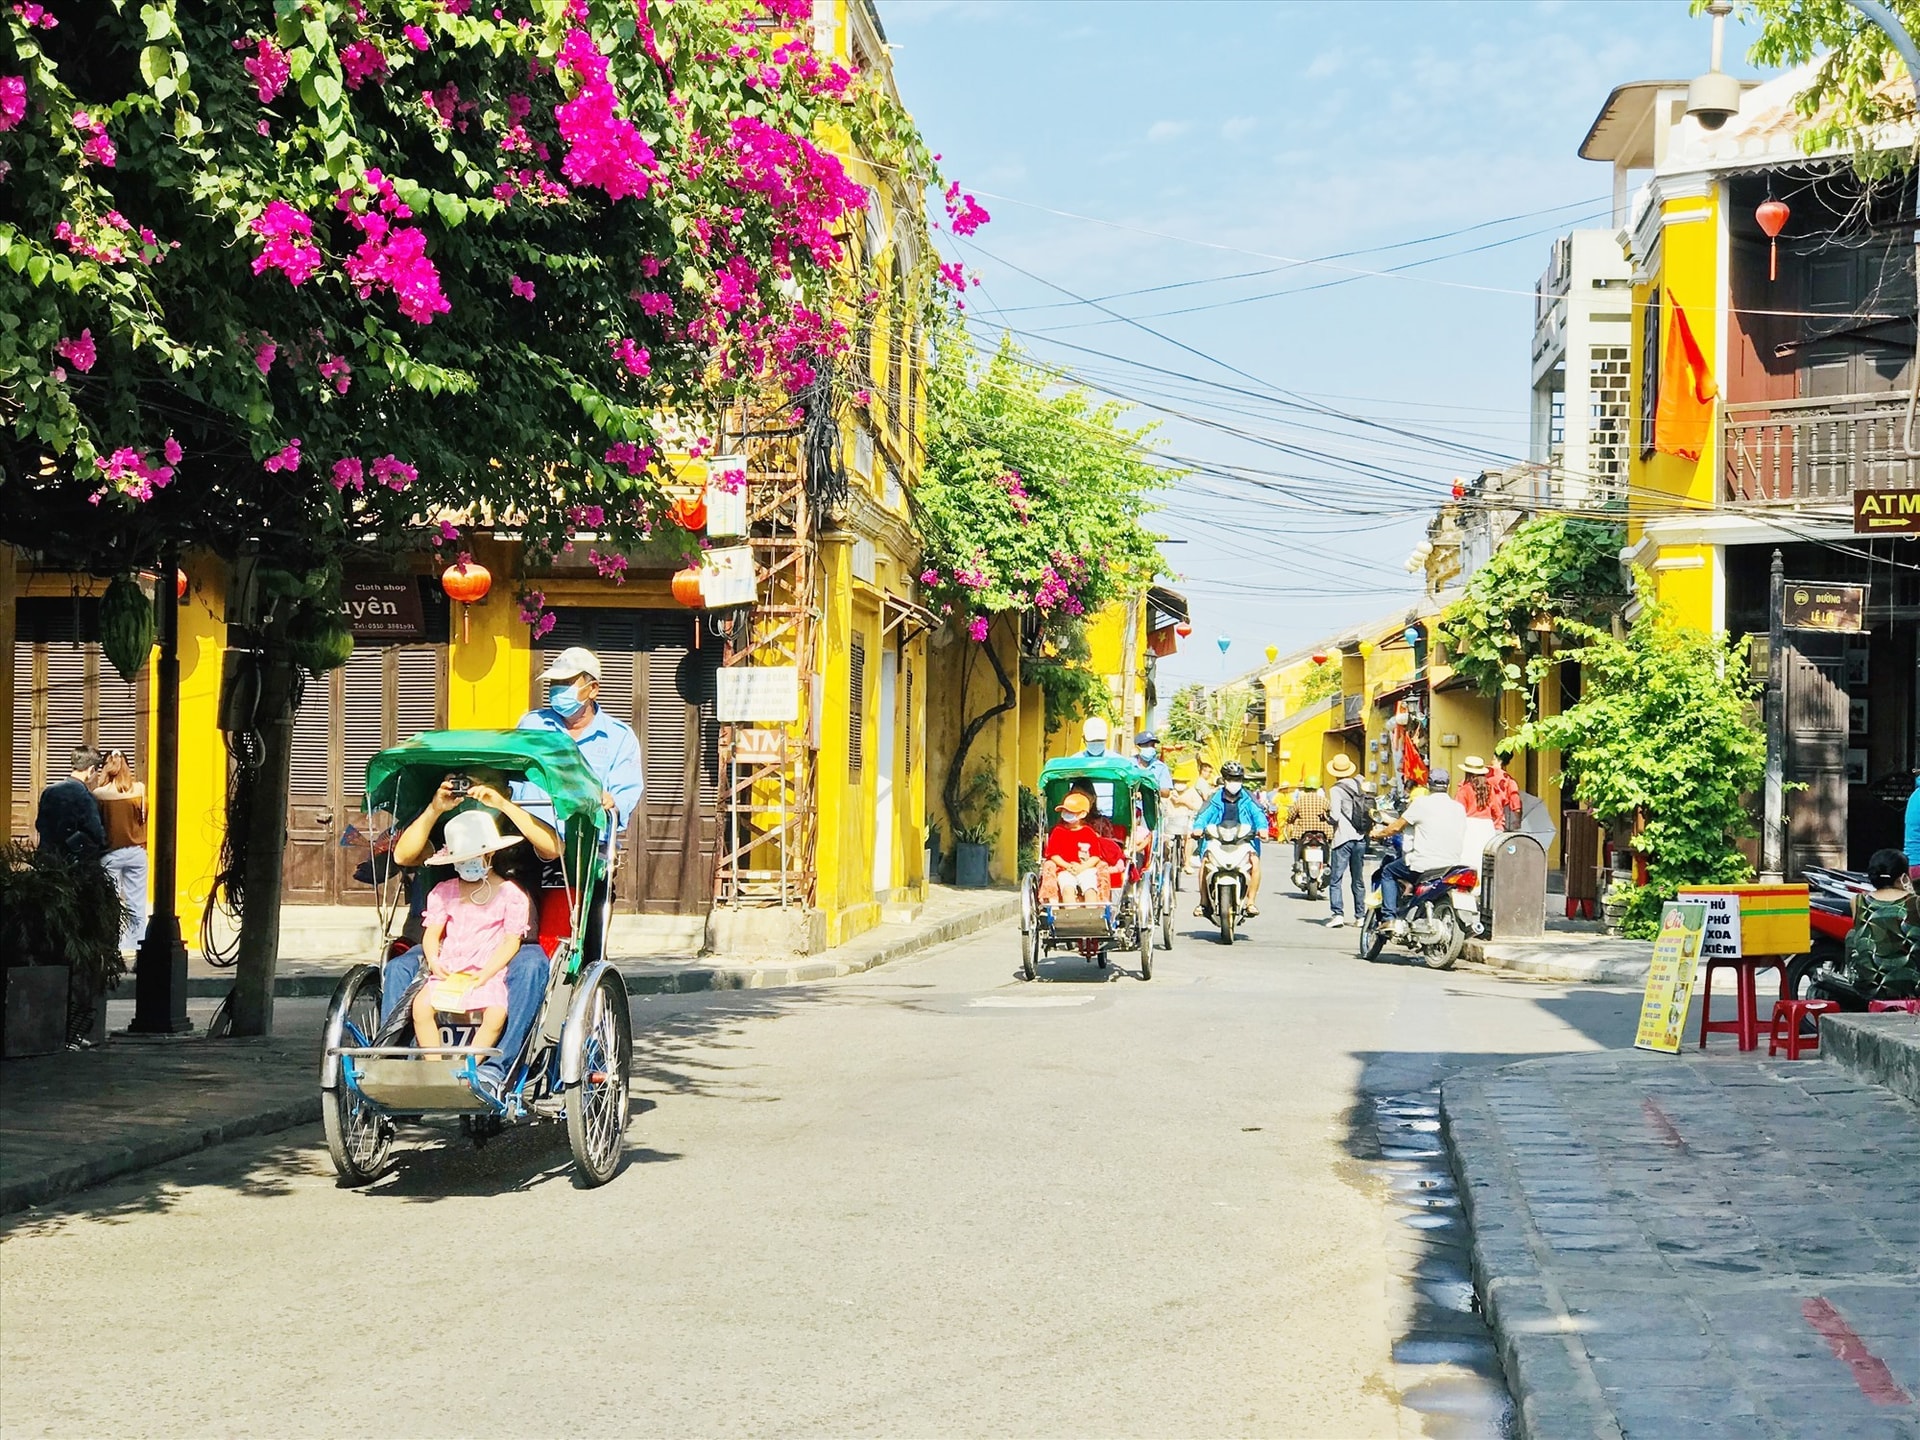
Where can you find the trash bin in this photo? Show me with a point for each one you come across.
(1513, 887)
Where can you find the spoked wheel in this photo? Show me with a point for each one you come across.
(1030, 927)
(1031, 946)
(1143, 932)
(597, 1048)
(359, 1138)
(220, 1026)
(1373, 933)
(1440, 954)
(1167, 890)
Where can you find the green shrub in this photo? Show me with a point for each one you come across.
(55, 910)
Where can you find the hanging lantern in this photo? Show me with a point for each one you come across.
(1773, 216)
(468, 582)
(686, 587)
(1459, 489)
(1183, 629)
(1412, 635)
(1223, 642)
(1320, 658)
(689, 512)
(1273, 653)
(179, 584)
(1366, 648)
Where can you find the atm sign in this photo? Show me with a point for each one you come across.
(1886, 512)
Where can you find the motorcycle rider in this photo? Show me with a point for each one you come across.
(1231, 803)
(1436, 830)
(1309, 812)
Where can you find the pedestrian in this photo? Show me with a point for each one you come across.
(1204, 785)
(1506, 796)
(1352, 815)
(607, 744)
(123, 816)
(68, 820)
(1913, 828)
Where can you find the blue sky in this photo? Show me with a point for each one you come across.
(1121, 146)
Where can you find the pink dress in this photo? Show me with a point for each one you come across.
(473, 933)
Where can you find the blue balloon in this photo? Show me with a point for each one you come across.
(1223, 642)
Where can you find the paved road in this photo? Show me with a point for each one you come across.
(929, 1200)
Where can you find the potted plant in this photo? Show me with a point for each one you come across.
(973, 836)
(1033, 823)
(60, 924)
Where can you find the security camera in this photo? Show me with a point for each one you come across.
(1713, 99)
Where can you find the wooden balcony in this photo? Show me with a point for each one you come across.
(1815, 451)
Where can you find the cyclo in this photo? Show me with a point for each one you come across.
(1141, 890)
(577, 1057)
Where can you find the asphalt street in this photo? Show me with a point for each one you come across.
(928, 1200)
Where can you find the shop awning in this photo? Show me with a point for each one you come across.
(903, 615)
(1165, 607)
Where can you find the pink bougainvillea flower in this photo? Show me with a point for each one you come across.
(290, 248)
(13, 100)
(929, 577)
(977, 628)
(363, 61)
(269, 68)
(263, 354)
(336, 369)
(654, 303)
(633, 356)
(534, 612)
(78, 350)
(349, 472)
(521, 288)
(456, 7)
(863, 397)
(610, 567)
(287, 458)
(35, 16)
(171, 449)
(603, 150)
(633, 458)
(391, 258)
(964, 214)
(394, 474)
(416, 37)
(131, 473)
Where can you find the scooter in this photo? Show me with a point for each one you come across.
(1228, 867)
(1439, 908)
(1311, 868)
(1827, 972)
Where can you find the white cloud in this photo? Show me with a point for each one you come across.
(1327, 62)
(1163, 130)
(1239, 127)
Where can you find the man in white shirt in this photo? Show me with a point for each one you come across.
(1436, 831)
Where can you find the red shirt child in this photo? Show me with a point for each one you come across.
(1081, 856)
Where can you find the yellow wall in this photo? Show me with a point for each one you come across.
(490, 674)
(203, 751)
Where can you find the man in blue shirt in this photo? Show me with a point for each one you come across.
(607, 744)
(1913, 829)
(1146, 749)
(1231, 802)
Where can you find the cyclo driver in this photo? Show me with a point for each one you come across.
(1231, 804)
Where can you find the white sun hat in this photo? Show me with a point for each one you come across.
(471, 834)
(1094, 729)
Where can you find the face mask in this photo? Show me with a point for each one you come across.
(565, 701)
(1149, 755)
(1232, 787)
(1096, 747)
(472, 871)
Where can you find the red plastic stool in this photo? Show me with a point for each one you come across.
(1746, 1021)
(1791, 1013)
(1894, 1007)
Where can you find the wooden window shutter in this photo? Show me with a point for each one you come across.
(663, 741)
(120, 707)
(857, 706)
(312, 735)
(23, 727)
(1649, 370)
(66, 706)
(363, 713)
(416, 692)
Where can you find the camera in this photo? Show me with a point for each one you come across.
(459, 784)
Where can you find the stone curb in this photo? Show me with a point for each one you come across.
(1881, 1049)
(1542, 964)
(113, 1163)
(99, 1168)
(1555, 1392)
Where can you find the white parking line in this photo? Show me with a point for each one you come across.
(1034, 1002)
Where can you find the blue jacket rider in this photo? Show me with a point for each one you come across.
(1231, 801)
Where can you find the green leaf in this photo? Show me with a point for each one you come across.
(164, 87)
(326, 88)
(155, 61)
(451, 208)
(37, 267)
(158, 22)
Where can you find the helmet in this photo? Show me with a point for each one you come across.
(1233, 770)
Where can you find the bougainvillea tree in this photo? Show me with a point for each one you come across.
(1033, 504)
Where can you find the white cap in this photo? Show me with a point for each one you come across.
(573, 661)
(1094, 729)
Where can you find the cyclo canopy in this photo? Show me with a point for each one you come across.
(1121, 776)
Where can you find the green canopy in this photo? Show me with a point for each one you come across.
(1124, 775)
(403, 779)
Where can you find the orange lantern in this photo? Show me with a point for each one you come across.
(1772, 217)
(466, 581)
(1320, 659)
(1183, 629)
(686, 587)
(179, 584)
(689, 512)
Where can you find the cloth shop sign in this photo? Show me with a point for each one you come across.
(383, 607)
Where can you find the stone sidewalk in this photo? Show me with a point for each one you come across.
(76, 1119)
(1700, 1245)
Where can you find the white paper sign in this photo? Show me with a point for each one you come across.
(1722, 938)
(726, 496)
(757, 694)
(727, 577)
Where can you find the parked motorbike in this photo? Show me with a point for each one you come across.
(1826, 972)
(1228, 873)
(1440, 910)
(1311, 867)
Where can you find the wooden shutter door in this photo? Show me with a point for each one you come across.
(668, 752)
(25, 739)
(307, 877)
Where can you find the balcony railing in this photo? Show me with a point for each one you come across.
(1815, 450)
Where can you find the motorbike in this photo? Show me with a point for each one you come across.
(1311, 867)
(1440, 909)
(1826, 972)
(1228, 872)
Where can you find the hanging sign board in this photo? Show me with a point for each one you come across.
(1748, 920)
(726, 496)
(757, 694)
(758, 747)
(727, 577)
(1886, 512)
(1812, 606)
(1676, 959)
(382, 607)
(1722, 937)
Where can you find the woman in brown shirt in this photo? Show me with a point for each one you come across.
(123, 812)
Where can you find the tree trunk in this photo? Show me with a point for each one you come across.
(259, 949)
(956, 767)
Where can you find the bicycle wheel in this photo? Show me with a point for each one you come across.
(597, 1046)
(358, 1136)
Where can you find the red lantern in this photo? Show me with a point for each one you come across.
(1459, 489)
(1183, 629)
(179, 584)
(686, 587)
(1773, 216)
(468, 582)
(1320, 659)
(689, 512)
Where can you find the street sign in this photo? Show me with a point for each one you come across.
(1819, 605)
(1676, 955)
(750, 694)
(1886, 512)
(383, 607)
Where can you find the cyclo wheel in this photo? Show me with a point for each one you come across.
(1166, 913)
(1144, 930)
(597, 1048)
(359, 1138)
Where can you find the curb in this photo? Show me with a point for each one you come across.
(1554, 1389)
(115, 1161)
(1545, 966)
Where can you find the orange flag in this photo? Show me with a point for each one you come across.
(1683, 418)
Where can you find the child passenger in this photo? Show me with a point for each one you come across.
(1077, 858)
(474, 924)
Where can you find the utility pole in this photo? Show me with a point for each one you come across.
(1773, 836)
(160, 971)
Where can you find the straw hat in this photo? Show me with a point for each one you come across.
(1076, 806)
(1340, 768)
(469, 835)
(1472, 765)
